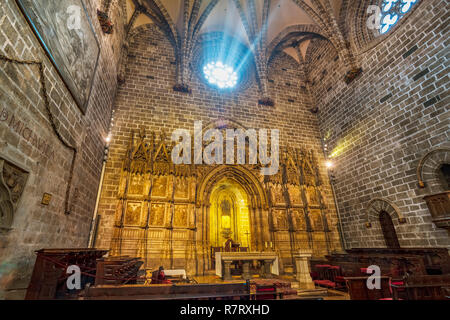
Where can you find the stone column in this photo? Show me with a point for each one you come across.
(246, 270)
(267, 273)
(302, 268)
(226, 271)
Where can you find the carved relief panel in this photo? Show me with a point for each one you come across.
(181, 216)
(295, 195)
(133, 215)
(311, 194)
(12, 183)
(137, 183)
(160, 187)
(158, 214)
(280, 220)
(316, 220)
(277, 194)
(181, 188)
(299, 219)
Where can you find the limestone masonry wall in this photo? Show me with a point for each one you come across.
(28, 141)
(384, 122)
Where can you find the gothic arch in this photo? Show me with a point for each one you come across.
(383, 220)
(309, 29)
(427, 169)
(6, 208)
(245, 178)
(256, 199)
(355, 28)
(378, 205)
(12, 184)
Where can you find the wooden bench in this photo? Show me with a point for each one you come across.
(117, 270)
(390, 264)
(435, 260)
(331, 274)
(48, 280)
(227, 291)
(426, 287)
(358, 289)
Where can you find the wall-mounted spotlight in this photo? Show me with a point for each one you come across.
(329, 164)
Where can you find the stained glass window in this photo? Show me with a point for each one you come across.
(392, 11)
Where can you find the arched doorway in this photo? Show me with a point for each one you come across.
(234, 205)
(229, 214)
(389, 233)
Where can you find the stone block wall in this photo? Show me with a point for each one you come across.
(28, 140)
(379, 126)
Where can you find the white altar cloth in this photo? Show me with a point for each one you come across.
(175, 272)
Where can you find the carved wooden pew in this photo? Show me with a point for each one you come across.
(358, 289)
(48, 280)
(353, 265)
(49, 276)
(390, 264)
(425, 287)
(227, 291)
(117, 270)
(435, 260)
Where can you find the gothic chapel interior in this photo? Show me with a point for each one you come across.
(346, 98)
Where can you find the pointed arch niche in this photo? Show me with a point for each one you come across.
(383, 219)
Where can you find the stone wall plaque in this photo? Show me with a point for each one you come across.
(46, 198)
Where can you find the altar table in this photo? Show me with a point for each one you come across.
(224, 260)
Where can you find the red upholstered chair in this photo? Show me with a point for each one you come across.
(322, 269)
(266, 292)
(335, 273)
(364, 271)
(327, 276)
(159, 278)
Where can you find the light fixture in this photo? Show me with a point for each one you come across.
(329, 164)
(221, 75)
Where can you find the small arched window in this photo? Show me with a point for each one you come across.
(392, 11)
(389, 233)
(444, 176)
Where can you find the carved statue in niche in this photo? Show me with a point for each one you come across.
(294, 194)
(280, 220)
(181, 188)
(159, 186)
(313, 199)
(157, 214)
(12, 183)
(299, 219)
(133, 213)
(225, 207)
(181, 216)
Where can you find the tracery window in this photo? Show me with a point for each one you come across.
(392, 11)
